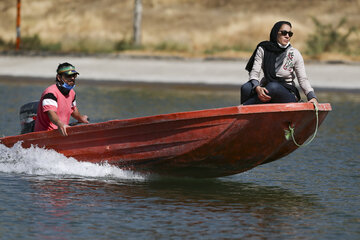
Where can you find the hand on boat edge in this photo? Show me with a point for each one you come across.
(84, 119)
(62, 129)
(314, 101)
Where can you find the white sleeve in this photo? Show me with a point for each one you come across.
(257, 67)
(302, 78)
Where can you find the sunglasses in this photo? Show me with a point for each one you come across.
(284, 33)
(70, 77)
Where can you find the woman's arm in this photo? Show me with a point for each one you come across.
(303, 80)
(254, 75)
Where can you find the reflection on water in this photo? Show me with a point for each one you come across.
(178, 208)
(311, 194)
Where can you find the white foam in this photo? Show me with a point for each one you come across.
(43, 162)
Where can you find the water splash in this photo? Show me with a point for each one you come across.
(46, 162)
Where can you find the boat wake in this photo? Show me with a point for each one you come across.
(43, 162)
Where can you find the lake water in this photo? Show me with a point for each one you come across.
(311, 194)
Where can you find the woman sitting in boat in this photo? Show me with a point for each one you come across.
(279, 62)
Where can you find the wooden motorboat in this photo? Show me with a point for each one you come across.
(206, 143)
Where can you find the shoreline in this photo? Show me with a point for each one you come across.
(136, 70)
(120, 83)
(162, 56)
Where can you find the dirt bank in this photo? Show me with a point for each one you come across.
(178, 24)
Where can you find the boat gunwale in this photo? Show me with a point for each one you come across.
(234, 110)
(239, 110)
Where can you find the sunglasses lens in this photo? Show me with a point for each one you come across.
(284, 33)
(71, 77)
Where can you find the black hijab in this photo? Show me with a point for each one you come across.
(271, 51)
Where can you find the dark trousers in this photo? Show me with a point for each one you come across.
(277, 92)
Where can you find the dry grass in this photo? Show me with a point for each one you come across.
(194, 27)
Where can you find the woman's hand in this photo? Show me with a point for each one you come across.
(314, 100)
(262, 94)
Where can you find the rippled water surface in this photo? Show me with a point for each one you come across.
(311, 194)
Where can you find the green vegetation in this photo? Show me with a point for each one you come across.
(330, 38)
(31, 43)
(34, 43)
(171, 47)
(338, 38)
(218, 49)
(5, 45)
(125, 44)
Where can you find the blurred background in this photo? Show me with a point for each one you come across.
(323, 29)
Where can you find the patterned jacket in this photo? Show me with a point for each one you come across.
(289, 66)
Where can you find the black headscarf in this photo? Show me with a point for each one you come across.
(271, 51)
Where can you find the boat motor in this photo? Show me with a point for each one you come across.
(28, 115)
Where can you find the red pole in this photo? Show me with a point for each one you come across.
(18, 25)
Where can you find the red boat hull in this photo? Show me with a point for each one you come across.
(206, 143)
